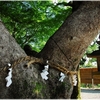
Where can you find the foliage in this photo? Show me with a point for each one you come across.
(90, 85)
(90, 62)
(32, 22)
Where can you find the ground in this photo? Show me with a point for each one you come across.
(90, 93)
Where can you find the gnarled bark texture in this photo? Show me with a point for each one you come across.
(65, 47)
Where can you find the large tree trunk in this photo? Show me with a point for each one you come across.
(65, 47)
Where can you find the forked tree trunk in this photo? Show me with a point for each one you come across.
(65, 47)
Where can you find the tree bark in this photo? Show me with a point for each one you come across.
(65, 47)
(69, 43)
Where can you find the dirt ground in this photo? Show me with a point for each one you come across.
(90, 93)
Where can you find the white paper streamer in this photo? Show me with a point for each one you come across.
(74, 80)
(62, 77)
(9, 64)
(8, 78)
(45, 72)
(44, 75)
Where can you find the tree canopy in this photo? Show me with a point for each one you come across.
(33, 22)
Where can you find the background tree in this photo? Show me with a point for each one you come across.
(65, 48)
